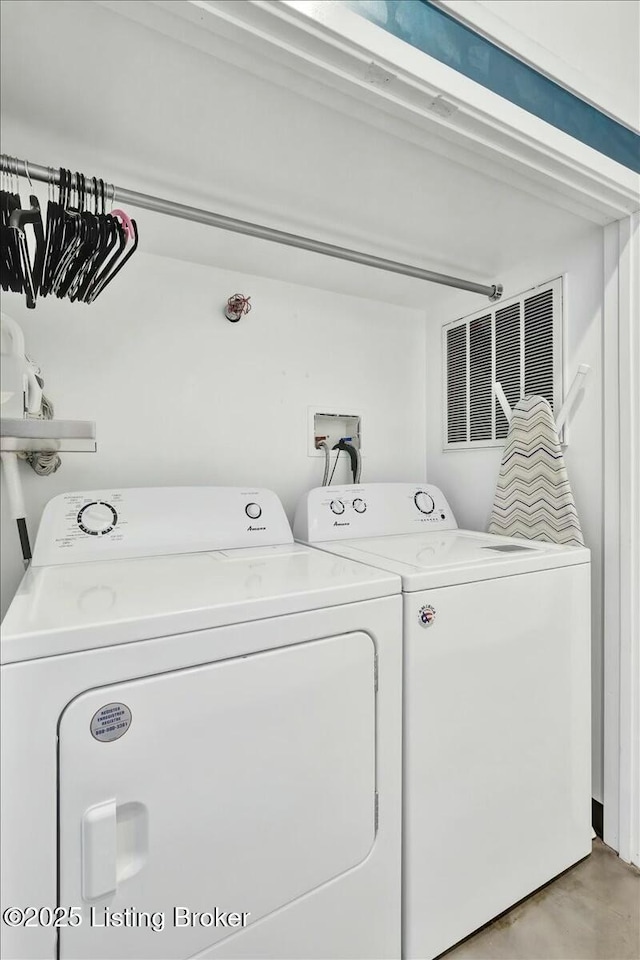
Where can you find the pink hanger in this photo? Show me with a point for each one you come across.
(126, 222)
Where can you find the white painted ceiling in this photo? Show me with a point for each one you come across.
(92, 90)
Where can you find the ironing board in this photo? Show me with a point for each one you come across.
(533, 497)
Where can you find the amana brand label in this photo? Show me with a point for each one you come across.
(111, 721)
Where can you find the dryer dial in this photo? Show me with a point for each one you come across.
(97, 518)
(423, 502)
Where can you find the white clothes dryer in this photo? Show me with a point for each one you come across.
(496, 782)
(201, 725)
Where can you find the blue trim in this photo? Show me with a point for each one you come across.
(433, 31)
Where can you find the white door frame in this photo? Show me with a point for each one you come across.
(622, 538)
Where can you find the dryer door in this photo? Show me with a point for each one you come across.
(238, 785)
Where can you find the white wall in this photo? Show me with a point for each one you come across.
(182, 396)
(469, 476)
(592, 47)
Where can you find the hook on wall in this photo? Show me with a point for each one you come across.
(237, 306)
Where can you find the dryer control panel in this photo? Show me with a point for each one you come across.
(152, 521)
(371, 510)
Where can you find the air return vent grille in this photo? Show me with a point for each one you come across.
(518, 343)
(480, 373)
(457, 383)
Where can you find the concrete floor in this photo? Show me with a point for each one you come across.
(591, 912)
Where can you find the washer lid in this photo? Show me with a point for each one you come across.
(81, 606)
(456, 556)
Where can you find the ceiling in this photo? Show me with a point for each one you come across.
(110, 96)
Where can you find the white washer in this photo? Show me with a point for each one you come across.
(496, 786)
(199, 713)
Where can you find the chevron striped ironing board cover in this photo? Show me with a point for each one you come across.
(533, 497)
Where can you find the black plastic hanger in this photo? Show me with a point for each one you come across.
(12, 276)
(107, 280)
(31, 275)
(54, 234)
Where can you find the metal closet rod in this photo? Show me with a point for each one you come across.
(147, 202)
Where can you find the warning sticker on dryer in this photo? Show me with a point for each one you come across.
(111, 721)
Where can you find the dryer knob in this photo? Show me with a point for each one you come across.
(359, 505)
(253, 510)
(337, 506)
(423, 502)
(97, 518)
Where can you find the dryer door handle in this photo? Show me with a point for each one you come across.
(99, 851)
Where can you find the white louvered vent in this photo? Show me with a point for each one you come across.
(457, 383)
(518, 343)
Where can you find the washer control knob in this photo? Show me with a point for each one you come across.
(423, 502)
(97, 518)
(253, 510)
(359, 505)
(337, 506)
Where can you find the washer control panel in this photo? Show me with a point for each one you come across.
(371, 510)
(153, 521)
